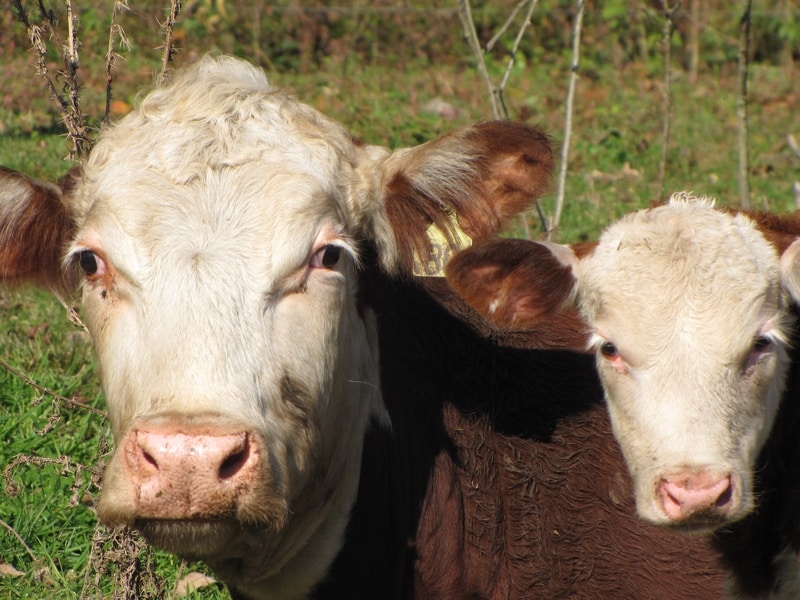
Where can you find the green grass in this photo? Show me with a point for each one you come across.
(616, 148)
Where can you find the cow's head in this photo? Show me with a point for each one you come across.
(216, 235)
(688, 312)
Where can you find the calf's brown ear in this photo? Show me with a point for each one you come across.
(515, 284)
(35, 228)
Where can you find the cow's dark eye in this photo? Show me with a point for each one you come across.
(609, 350)
(92, 265)
(326, 257)
(88, 262)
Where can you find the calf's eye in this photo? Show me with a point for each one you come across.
(326, 257)
(609, 350)
(761, 343)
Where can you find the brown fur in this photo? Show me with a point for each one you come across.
(514, 167)
(747, 548)
(33, 240)
(488, 275)
(501, 478)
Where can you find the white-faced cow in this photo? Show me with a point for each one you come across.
(288, 404)
(690, 311)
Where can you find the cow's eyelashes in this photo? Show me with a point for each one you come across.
(326, 257)
(92, 265)
(762, 343)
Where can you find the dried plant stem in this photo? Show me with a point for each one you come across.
(695, 26)
(741, 105)
(496, 37)
(499, 108)
(69, 402)
(669, 13)
(114, 32)
(513, 58)
(465, 12)
(19, 539)
(69, 102)
(573, 82)
(169, 40)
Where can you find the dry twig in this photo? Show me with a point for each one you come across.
(666, 39)
(741, 105)
(69, 101)
(465, 12)
(19, 539)
(114, 31)
(71, 402)
(573, 82)
(499, 109)
(169, 45)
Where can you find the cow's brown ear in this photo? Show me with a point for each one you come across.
(790, 270)
(35, 228)
(515, 284)
(468, 182)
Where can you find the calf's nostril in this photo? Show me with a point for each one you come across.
(725, 497)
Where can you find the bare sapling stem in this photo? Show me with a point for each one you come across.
(465, 12)
(666, 40)
(741, 105)
(513, 58)
(573, 82)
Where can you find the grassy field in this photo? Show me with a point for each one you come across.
(52, 451)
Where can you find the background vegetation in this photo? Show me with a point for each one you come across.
(396, 73)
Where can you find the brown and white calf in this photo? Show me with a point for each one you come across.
(288, 403)
(690, 311)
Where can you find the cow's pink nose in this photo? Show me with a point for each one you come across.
(189, 475)
(685, 494)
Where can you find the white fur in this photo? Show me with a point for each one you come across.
(206, 206)
(683, 291)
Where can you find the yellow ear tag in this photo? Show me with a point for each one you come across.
(441, 250)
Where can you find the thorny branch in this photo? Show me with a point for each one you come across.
(114, 31)
(169, 47)
(68, 100)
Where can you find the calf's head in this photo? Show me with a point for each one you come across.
(216, 235)
(688, 309)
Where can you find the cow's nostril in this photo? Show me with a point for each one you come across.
(234, 462)
(149, 460)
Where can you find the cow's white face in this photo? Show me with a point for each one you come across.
(216, 234)
(220, 292)
(690, 325)
(688, 312)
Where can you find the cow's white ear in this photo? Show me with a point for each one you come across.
(790, 270)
